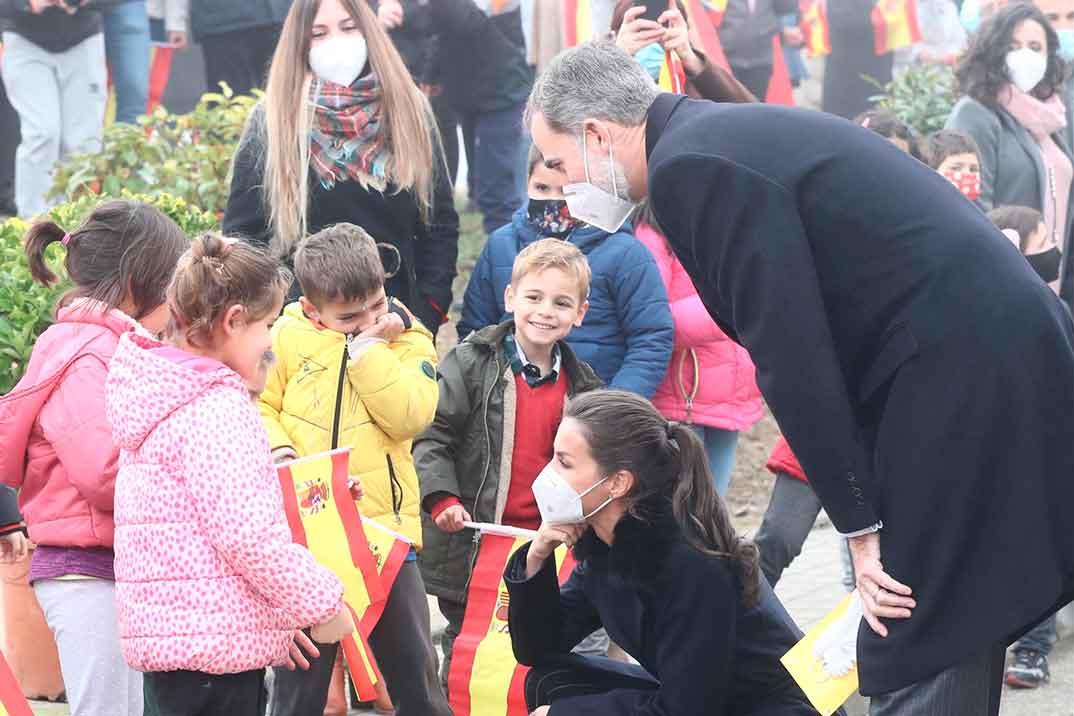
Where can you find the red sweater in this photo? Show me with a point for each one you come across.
(538, 412)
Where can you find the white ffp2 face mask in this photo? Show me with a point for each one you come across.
(589, 203)
(1026, 68)
(557, 501)
(339, 59)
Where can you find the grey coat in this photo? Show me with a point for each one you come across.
(467, 450)
(1012, 171)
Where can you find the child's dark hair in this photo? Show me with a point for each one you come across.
(340, 262)
(124, 250)
(670, 468)
(947, 143)
(889, 126)
(1022, 219)
(216, 274)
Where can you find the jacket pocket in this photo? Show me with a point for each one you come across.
(897, 347)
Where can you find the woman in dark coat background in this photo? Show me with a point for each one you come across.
(660, 567)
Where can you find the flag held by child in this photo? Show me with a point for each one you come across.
(12, 700)
(323, 518)
(485, 679)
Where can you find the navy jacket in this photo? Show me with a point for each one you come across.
(921, 371)
(628, 333)
(675, 609)
(215, 17)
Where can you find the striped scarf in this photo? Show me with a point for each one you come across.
(346, 141)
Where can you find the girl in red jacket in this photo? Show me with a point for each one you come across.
(58, 448)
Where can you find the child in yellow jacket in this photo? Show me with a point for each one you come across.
(355, 369)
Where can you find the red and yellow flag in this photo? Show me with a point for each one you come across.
(704, 21)
(779, 84)
(672, 75)
(160, 67)
(715, 10)
(485, 679)
(577, 22)
(814, 26)
(12, 700)
(895, 25)
(324, 519)
(390, 550)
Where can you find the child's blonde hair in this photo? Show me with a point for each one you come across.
(553, 253)
(215, 274)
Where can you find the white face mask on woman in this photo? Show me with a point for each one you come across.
(1026, 68)
(339, 59)
(557, 501)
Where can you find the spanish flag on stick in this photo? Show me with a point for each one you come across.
(895, 25)
(485, 679)
(324, 519)
(12, 700)
(815, 28)
(390, 550)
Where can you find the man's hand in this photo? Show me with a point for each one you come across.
(881, 596)
(13, 548)
(177, 40)
(390, 13)
(451, 519)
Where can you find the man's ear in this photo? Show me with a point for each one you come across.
(600, 132)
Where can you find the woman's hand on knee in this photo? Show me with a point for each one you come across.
(882, 597)
(540, 711)
(548, 538)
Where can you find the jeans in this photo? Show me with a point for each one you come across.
(126, 44)
(81, 613)
(720, 446)
(972, 687)
(60, 98)
(494, 165)
(1041, 638)
(792, 511)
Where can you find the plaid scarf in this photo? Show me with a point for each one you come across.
(346, 141)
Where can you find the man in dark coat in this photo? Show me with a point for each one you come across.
(237, 39)
(920, 370)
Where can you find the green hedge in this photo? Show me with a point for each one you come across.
(921, 95)
(25, 306)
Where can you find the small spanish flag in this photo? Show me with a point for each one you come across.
(716, 10)
(672, 74)
(324, 519)
(12, 700)
(815, 28)
(577, 22)
(390, 550)
(895, 25)
(485, 679)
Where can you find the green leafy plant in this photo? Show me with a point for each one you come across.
(921, 95)
(25, 306)
(187, 156)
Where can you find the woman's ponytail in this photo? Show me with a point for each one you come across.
(38, 239)
(703, 514)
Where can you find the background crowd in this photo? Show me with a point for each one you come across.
(338, 137)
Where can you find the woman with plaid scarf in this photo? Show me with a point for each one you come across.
(344, 135)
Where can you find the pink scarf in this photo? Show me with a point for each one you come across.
(1041, 118)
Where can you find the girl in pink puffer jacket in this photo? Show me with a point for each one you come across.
(710, 381)
(57, 446)
(210, 587)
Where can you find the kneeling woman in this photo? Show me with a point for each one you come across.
(660, 567)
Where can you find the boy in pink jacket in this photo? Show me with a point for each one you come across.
(210, 587)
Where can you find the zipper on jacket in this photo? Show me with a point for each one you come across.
(397, 491)
(690, 395)
(339, 399)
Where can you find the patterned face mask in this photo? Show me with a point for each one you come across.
(969, 183)
(552, 218)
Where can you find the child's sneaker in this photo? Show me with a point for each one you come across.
(1029, 669)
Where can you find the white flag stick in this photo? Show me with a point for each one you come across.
(502, 530)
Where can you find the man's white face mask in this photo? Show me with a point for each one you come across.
(557, 501)
(595, 206)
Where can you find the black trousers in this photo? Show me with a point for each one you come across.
(756, 79)
(240, 58)
(403, 648)
(194, 693)
(568, 675)
(9, 142)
